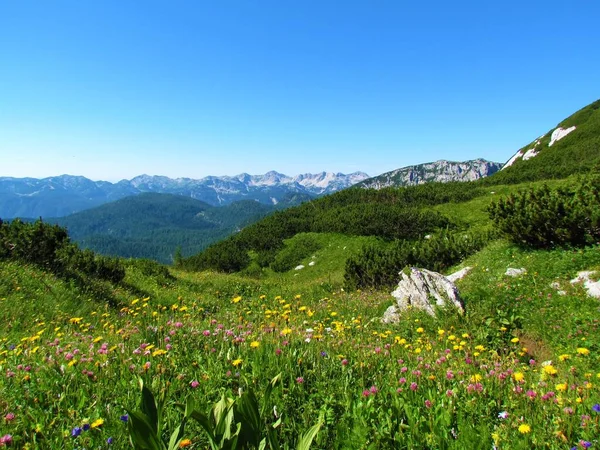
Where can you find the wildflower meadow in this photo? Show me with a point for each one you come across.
(72, 366)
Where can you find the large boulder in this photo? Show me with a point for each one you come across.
(422, 289)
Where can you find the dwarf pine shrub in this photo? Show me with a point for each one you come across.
(378, 266)
(546, 218)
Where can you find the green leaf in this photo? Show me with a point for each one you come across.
(148, 407)
(306, 439)
(177, 436)
(206, 424)
(223, 417)
(141, 434)
(249, 417)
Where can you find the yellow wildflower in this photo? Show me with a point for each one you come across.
(524, 428)
(97, 423)
(254, 344)
(518, 376)
(583, 351)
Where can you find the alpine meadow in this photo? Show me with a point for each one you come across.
(273, 338)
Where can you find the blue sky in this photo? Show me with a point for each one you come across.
(113, 89)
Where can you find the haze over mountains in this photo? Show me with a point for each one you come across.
(66, 194)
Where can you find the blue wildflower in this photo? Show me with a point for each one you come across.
(76, 432)
(596, 407)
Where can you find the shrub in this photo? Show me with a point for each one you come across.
(378, 266)
(35, 243)
(545, 218)
(49, 247)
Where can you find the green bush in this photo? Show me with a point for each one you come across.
(378, 266)
(152, 269)
(49, 247)
(35, 243)
(545, 218)
(226, 256)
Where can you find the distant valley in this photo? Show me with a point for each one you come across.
(155, 226)
(66, 194)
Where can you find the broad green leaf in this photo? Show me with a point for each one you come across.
(206, 424)
(306, 439)
(177, 436)
(141, 434)
(148, 407)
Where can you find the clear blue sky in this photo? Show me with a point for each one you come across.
(112, 89)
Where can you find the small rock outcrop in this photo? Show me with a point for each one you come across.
(425, 290)
(512, 272)
(592, 287)
(459, 275)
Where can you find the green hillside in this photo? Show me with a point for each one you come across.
(578, 152)
(155, 225)
(287, 350)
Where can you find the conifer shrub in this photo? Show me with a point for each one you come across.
(378, 266)
(34, 243)
(152, 269)
(546, 218)
(226, 256)
(49, 247)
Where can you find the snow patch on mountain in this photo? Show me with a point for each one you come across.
(560, 133)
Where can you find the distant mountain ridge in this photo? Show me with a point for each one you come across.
(67, 194)
(441, 171)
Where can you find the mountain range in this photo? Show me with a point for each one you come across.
(66, 194)
(441, 171)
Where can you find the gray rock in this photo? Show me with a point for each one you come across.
(512, 272)
(592, 287)
(459, 274)
(422, 289)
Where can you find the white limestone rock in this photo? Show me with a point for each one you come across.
(512, 272)
(459, 274)
(592, 287)
(425, 290)
(300, 267)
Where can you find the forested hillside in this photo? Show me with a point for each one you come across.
(156, 225)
